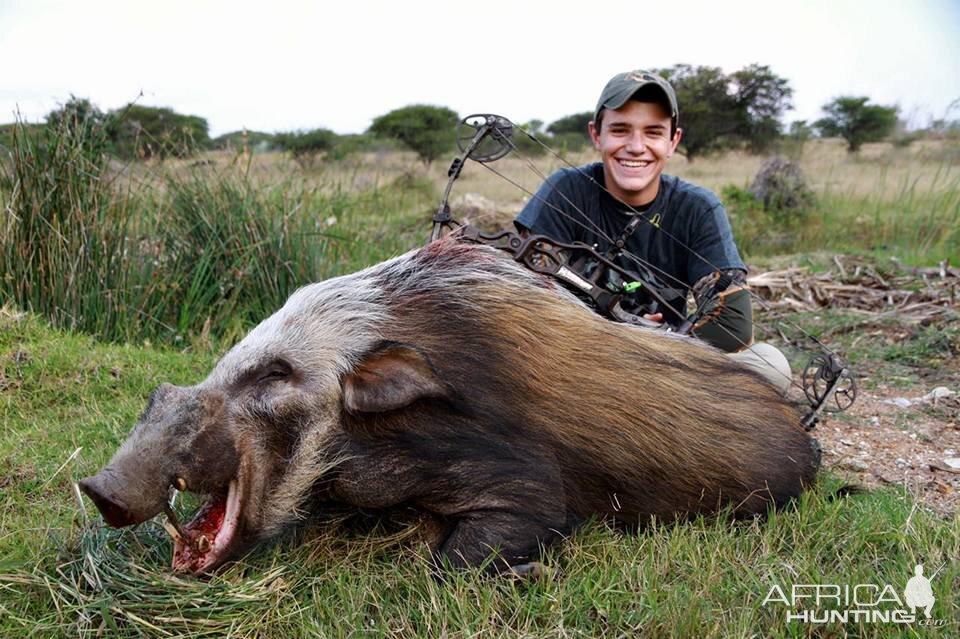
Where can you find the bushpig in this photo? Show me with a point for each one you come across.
(457, 382)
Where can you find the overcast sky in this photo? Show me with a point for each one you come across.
(278, 65)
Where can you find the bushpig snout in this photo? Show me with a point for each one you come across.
(107, 488)
(181, 440)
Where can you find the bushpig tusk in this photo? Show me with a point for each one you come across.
(203, 543)
(175, 523)
(172, 531)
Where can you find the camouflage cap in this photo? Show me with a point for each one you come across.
(623, 86)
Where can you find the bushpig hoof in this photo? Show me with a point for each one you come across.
(532, 571)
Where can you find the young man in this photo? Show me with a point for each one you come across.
(685, 238)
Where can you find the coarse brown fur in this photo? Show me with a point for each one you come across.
(553, 414)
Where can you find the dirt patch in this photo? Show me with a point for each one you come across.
(879, 443)
(899, 329)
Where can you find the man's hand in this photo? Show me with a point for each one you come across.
(654, 317)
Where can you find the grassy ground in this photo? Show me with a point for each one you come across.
(67, 401)
(201, 252)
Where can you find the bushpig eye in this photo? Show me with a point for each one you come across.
(276, 371)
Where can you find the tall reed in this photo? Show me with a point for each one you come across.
(194, 250)
(64, 244)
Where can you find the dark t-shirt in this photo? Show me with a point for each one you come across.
(689, 213)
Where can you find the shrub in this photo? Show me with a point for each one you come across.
(354, 143)
(305, 146)
(570, 125)
(144, 132)
(527, 145)
(256, 141)
(63, 242)
(856, 121)
(782, 188)
(427, 130)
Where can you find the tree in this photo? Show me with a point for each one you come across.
(254, 140)
(304, 146)
(800, 130)
(527, 145)
(760, 98)
(81, 121)
(570, 133)
(719, 111)
(76, 113)
(427, 130)
(534, 126)
(576, 123)
(145, 132)
(856, 121)
(708, 114)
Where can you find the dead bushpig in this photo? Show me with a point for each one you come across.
(453, 380)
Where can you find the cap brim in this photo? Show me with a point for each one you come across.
(621, 97)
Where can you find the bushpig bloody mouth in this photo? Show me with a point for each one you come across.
(210, 534)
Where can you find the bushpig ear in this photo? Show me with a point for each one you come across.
(390, 377)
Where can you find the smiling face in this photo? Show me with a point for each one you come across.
(634, 142)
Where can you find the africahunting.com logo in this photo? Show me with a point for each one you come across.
(863, 603)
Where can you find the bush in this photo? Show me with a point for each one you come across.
(354, 143)
(782, 188)
(77, 114)
(575, 124)
(856, 121)
(305, 146)
(256, 141)
(144, 132)
(527, 145)
(568, 142)
(191, 252)
(429, 131)
(63, 241)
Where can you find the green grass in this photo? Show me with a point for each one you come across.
(181, 252)
(188, 257)
(62, 573)
(920, 226)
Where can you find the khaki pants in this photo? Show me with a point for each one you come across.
(769, 362)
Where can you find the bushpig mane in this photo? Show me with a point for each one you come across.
(322, 328)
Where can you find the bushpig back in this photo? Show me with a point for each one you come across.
(555, 403)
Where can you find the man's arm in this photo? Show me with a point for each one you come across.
(727, 321)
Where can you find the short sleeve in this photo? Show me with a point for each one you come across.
(546, 211)
(711, 241)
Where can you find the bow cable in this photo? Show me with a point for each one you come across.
(639, 214)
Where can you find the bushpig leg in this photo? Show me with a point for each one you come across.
(514, 539)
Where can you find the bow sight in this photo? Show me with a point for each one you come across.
(623, 295)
